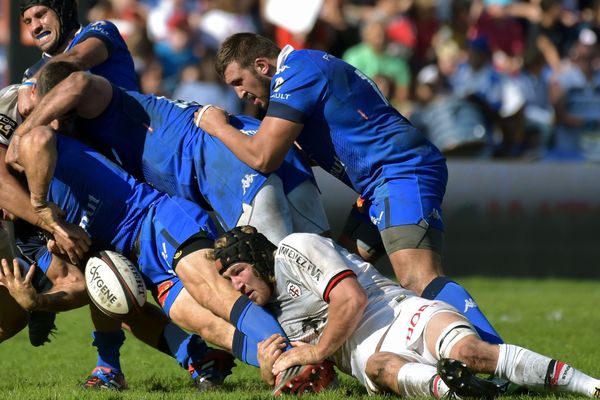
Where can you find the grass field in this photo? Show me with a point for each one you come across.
(556, 317)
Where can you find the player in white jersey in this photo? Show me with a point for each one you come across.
(384, 335)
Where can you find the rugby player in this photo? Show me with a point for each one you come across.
(169, 238)
(337, 115)
(155, 139)
(382, 334)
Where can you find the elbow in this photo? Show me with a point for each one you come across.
(266, 164)
(76, 84)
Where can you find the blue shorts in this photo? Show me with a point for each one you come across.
(169, 223)
(166, 293)
(408, 202)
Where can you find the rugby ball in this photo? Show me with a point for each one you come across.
(115, 285)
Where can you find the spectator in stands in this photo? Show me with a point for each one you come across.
(371, 56)
(575, 95)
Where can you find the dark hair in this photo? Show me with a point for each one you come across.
(66, 10)
(244, 48)
(52, 74)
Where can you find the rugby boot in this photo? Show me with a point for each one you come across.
(465, 384)
(300, 379)
(211, 371)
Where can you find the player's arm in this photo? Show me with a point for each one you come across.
(68, 290)
(85, 94)
(86, 54)
(264, 151)
(36, 157)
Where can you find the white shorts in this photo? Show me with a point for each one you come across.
(277, 215)
(405, 337)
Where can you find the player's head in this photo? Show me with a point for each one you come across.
(246, 61)
(9, 117)
(49, 22)
(247, 258)
(52, 74)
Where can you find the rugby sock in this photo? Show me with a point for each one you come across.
(442, 288)
(254, 321)
(535, 371)
(185, 348)
(420, 380)
(244, 348)
(109, 345)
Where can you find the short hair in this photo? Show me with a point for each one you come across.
(244, 48)
(52, 74)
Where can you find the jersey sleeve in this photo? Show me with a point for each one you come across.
(296, 89)
(314, 262)
(103, 30)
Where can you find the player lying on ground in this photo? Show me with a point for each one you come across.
(382, 334)
(161, 234)
(60, 287)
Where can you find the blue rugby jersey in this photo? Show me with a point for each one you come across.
(156, 140)
(350, 129)
(118, 67)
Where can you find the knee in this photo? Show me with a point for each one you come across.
(377, 365)
(9, 328)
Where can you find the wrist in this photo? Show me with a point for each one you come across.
(38, 201)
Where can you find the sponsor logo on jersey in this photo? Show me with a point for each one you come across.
(281, 96)
(247, 181)
(7, 126)
(282, 68)
(89, 212)
(294, 290)
(469, 303)
(177, 255)
(278, 82)
(250, 132)
(327, 57)
(301, 261)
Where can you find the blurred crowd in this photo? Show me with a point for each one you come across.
(481, 78)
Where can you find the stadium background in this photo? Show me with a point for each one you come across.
(509, 217)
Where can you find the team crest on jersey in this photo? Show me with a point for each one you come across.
(294, 290)
(278, 83)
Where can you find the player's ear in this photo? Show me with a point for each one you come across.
(261, 65)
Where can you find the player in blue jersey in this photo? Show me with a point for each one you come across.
(155, 139)
(98, 47)
(340, 119)
(169, 238)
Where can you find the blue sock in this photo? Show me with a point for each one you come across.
(244, 348)
(182, 346)
(254, 321)
(442, 288)
(109, 345)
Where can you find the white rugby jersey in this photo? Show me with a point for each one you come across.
(307, 268)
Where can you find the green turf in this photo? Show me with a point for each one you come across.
(556, 317)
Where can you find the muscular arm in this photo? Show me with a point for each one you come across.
(68, 291)
(14, 198)
(86, 54)
(265, 151)
(346, 306)
(73, 94)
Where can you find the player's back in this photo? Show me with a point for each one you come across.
(98, 195)
(349, 127)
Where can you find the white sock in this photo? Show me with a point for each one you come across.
(418, 380)
(538, 372)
